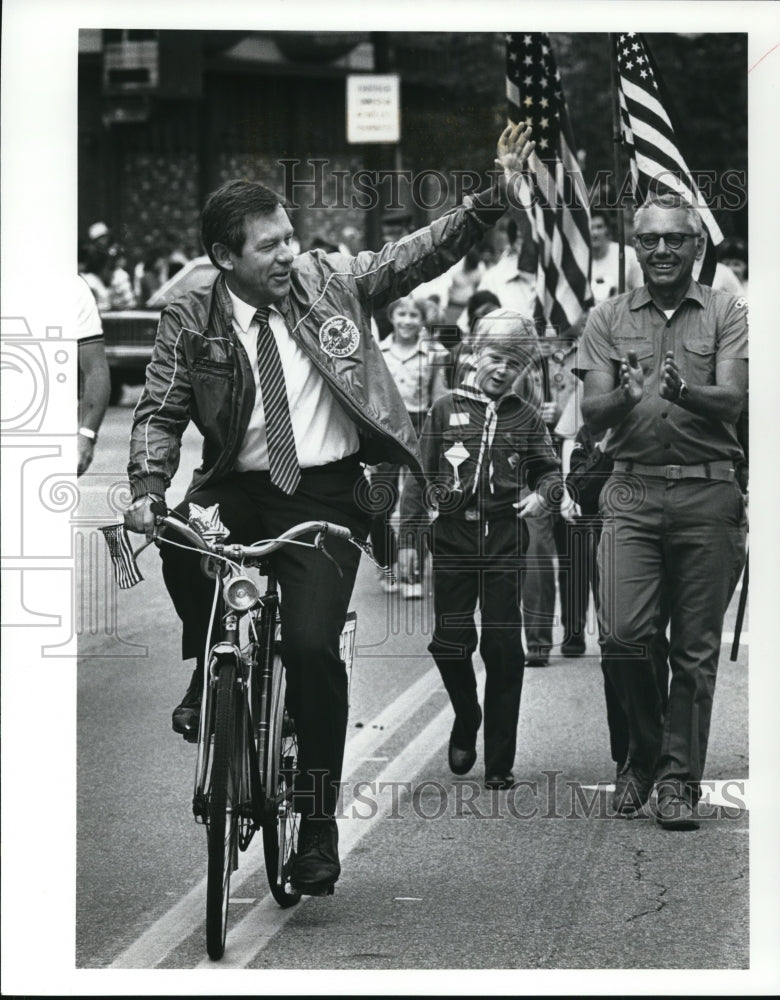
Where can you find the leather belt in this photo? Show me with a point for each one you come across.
(707, 470)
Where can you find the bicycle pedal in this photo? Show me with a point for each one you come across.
(315, 890)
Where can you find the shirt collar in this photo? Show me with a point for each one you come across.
(243, 313)
(641, 297)
(388, 344)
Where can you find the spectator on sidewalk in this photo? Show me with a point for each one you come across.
(94, 375)
(418, 370)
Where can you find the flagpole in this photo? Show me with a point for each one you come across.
(616, 161)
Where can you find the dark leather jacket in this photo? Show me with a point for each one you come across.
(199, 371)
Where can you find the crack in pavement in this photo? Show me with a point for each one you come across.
(642, 856)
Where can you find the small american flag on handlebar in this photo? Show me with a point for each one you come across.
(126, 571)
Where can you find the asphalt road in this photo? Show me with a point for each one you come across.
(438, 873)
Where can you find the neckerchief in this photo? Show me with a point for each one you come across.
(470, 390)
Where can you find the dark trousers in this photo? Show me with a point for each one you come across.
(550, 553)
(578, 574)
(472, 566)
(384, 494)
(585, 534)
(314, 603)
(676, 547)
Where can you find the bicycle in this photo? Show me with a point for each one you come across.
(247, 743)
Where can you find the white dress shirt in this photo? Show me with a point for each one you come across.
(323, 432)
(516, 290)
(605, 271)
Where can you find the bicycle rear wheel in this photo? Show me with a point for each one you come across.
(223, 808)
(280, 828)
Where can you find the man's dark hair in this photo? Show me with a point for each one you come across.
(477, 300)
(224, 215)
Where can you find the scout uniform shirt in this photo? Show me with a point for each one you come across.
(478, 454)
(707, 327)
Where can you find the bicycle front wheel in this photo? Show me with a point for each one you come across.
(280, 828)
(223, 808)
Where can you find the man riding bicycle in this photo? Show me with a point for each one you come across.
(284, 440)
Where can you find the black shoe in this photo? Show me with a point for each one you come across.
(675, 812)
(500, 781)
(186, 715)
(460, 759)
(573, 646)
(536, 657)
(316, 866)
(632, 790)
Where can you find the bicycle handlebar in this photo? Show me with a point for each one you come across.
(260, 551)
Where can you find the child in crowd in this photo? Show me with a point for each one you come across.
(481, 443)
(418, 367)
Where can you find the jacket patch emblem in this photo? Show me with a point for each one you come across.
(514, 461)
(458, 419)
(339, 337)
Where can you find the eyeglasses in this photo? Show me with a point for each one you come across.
(649, 241)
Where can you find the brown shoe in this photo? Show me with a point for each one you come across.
(186, 716)
(462, 759)
(500, 782)
(674, 812)
(632, 790)
(316, 866)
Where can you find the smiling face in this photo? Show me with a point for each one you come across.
(407, 321)
(496, 370)
(667, 271)
(260, 274)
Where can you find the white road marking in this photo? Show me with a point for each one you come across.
(167, 932)
(728, 638)
(731, 793)
(249, 936)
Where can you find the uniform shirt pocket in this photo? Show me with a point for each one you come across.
(699, 350)
(643, 349)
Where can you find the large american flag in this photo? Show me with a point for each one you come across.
(649, 138)
(553, 193)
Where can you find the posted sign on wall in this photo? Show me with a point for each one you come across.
(373, 108)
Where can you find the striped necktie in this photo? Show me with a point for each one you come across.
(282, 457)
